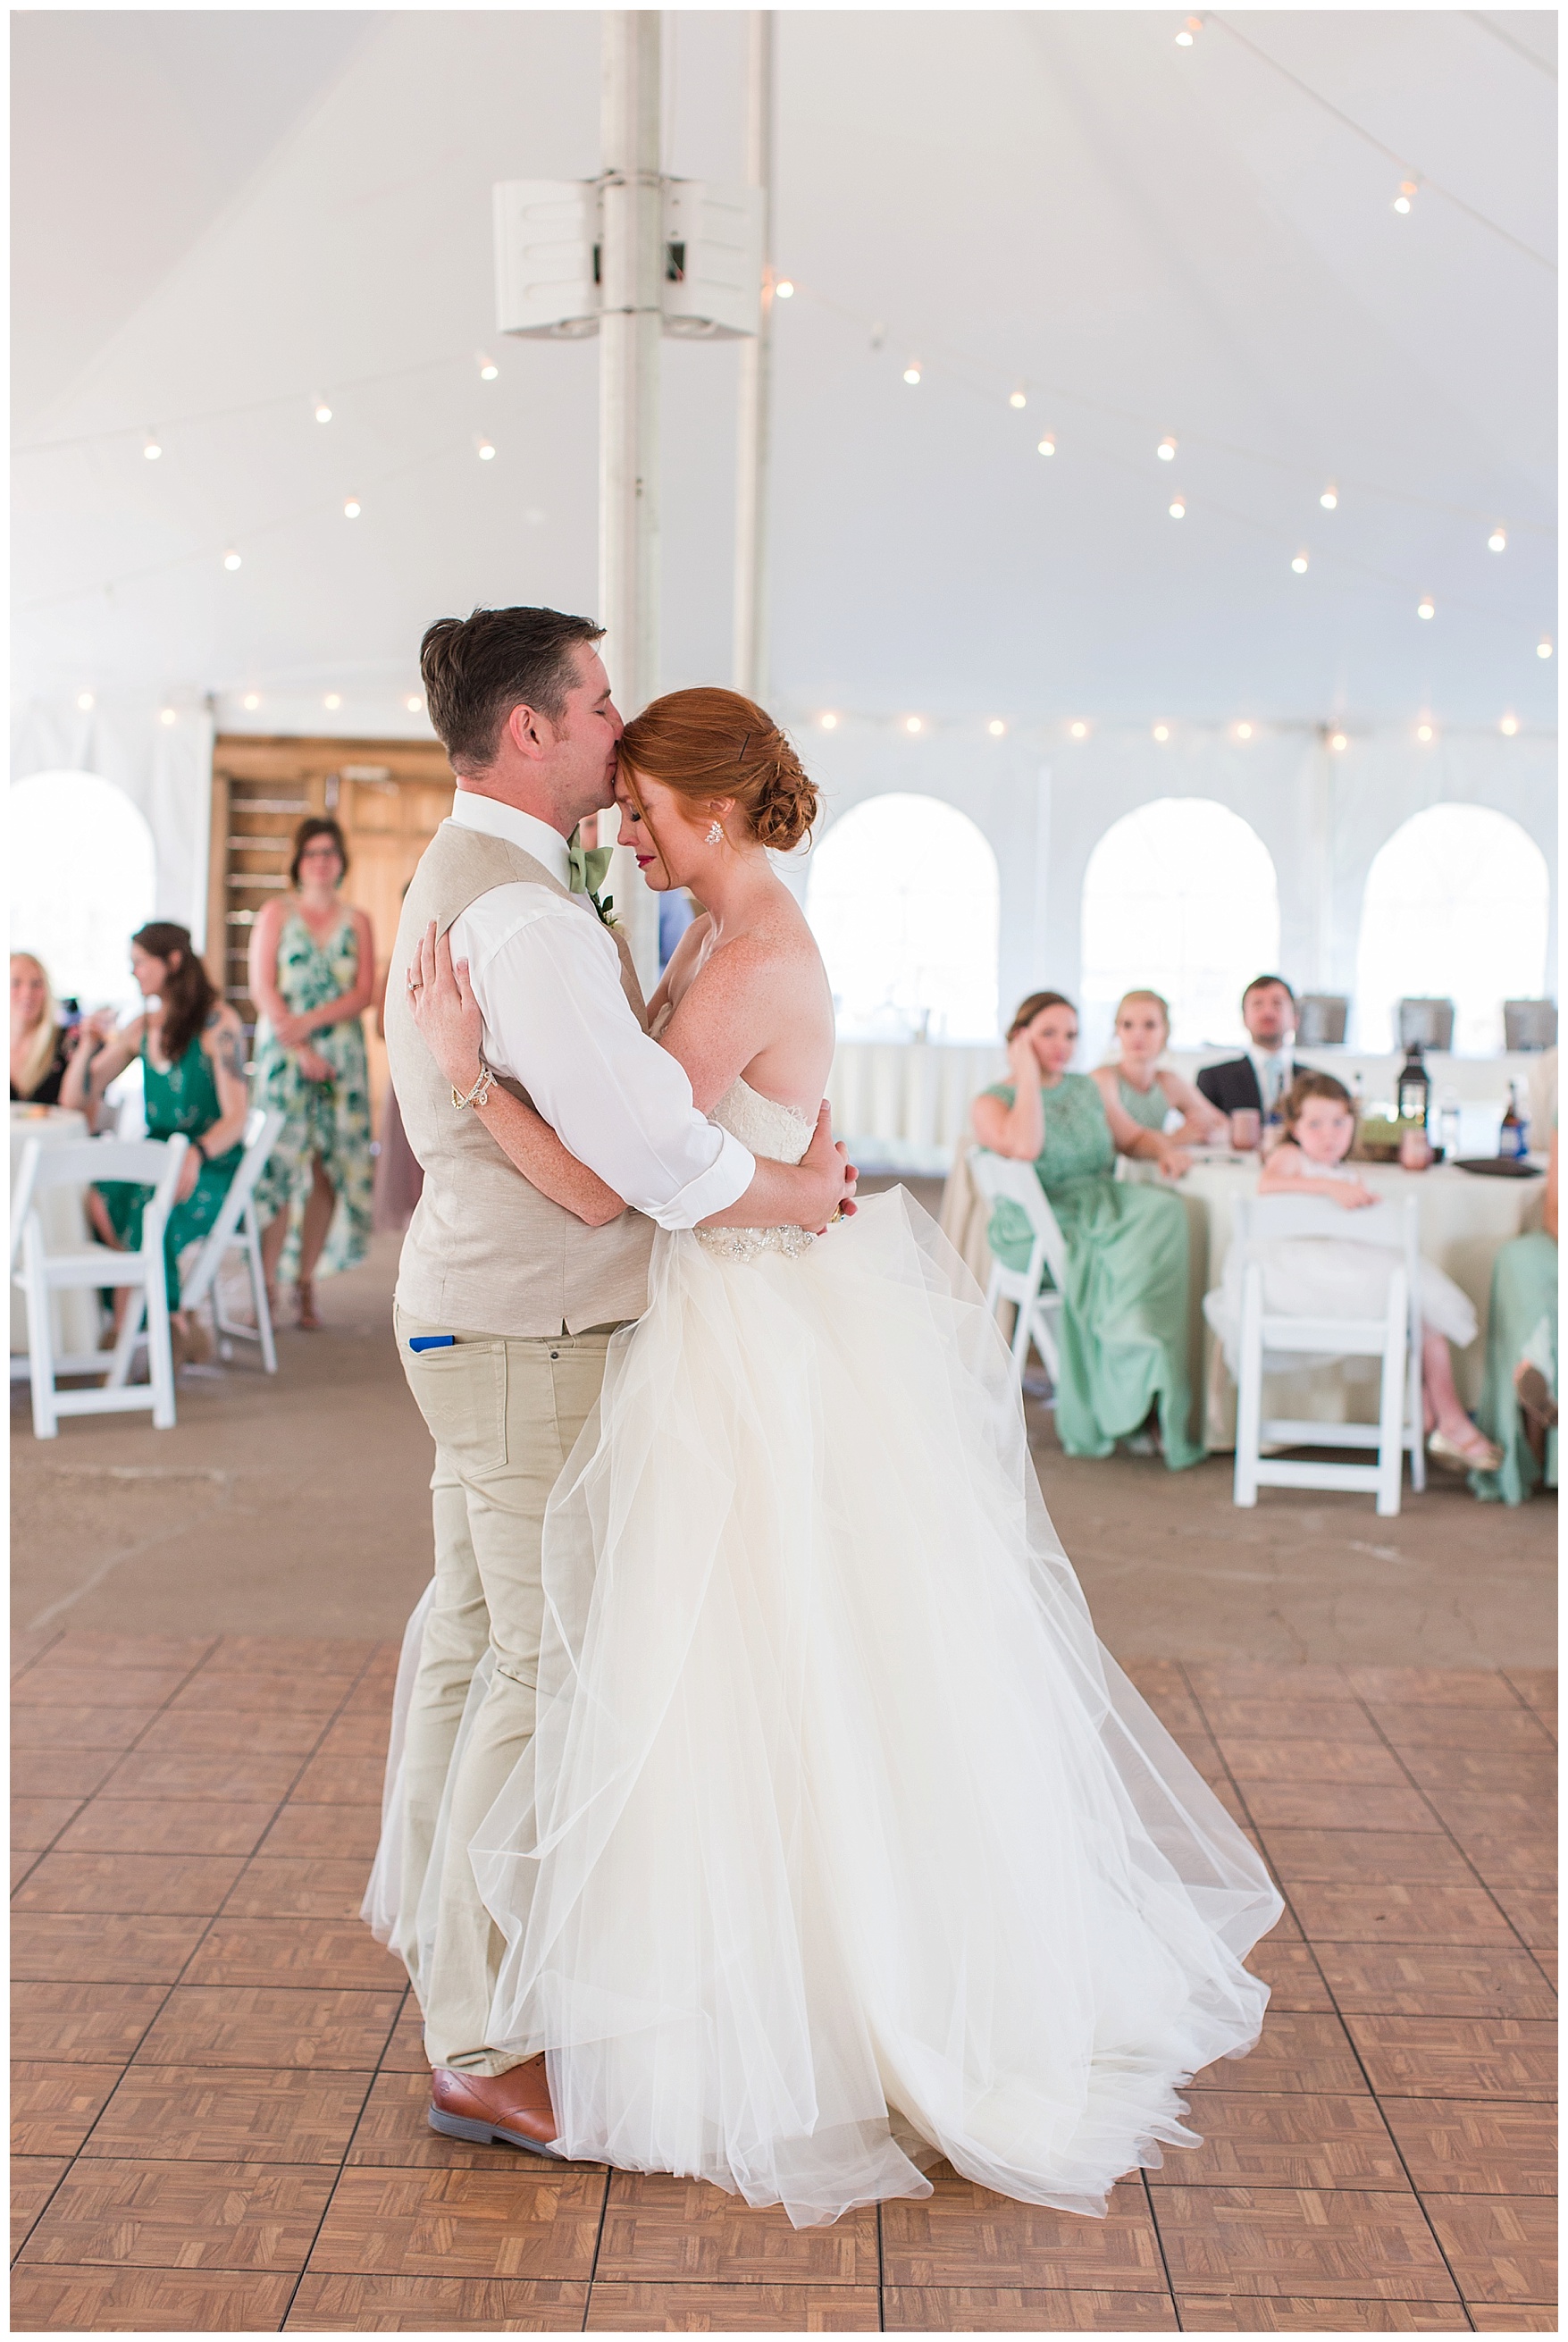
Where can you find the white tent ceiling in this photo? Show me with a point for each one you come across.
(218, 214)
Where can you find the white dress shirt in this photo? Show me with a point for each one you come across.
(547, 977)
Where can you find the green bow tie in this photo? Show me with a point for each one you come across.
(586, 866)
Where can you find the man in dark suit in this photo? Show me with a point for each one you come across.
(1262, 1078)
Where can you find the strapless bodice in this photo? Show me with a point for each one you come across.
(776, 1133)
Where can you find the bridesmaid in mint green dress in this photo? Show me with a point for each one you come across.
(1124, 1328)
(313, 975)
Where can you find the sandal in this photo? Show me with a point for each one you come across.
(1536, 1405)
(1475, 1454)
(307, 1321)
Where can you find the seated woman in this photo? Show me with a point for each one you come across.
(1146, 1092)
(1519, 1397)
(1124, 1313)
(192, 1048)
(41, 1049)
(1316, 1277)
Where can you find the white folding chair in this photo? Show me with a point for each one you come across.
(1268, 1341)
(1038, 1303)
(236, 1230)
(151, 1162)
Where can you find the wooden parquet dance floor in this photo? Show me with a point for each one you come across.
(219, 2106)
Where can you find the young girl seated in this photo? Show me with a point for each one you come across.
(1313, 1277)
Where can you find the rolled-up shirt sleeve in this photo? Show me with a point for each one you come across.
(547, 982)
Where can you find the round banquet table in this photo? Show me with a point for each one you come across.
(77, 1315)
(1465, 1220)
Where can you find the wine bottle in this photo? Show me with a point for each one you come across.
(1510, 1138)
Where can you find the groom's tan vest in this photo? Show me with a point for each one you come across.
(485, 1253)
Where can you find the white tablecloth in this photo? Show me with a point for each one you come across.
(904, 1105)
(65, 1229)
(1465, 1220)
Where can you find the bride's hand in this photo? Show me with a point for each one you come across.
(442, 1004)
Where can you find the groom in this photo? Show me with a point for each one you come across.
(505, 1302)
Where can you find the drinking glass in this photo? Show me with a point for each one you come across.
(1247, 1129)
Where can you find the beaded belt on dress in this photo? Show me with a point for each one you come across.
(746, 1243)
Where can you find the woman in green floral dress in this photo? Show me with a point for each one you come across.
(313, 975)
(1124, 1328)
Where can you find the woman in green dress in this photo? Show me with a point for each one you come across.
(1147, 1092)
(1518, 1407)
(1124, 1328)
(192, 1048)
(313, 976)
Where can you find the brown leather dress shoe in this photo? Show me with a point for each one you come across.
(510, 2110)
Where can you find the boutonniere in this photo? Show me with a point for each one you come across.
(587, 868)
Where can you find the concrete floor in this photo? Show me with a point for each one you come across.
(297, 1505)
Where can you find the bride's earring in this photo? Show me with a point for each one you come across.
(715, 833)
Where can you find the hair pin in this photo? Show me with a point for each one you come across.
(745, 746)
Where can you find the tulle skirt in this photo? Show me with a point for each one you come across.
(842, 1845)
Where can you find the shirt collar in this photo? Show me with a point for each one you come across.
(470, 810)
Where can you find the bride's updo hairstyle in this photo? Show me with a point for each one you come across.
(706, 743)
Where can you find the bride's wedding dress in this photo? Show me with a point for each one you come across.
(842, 1844)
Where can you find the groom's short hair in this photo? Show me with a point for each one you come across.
(477, 669)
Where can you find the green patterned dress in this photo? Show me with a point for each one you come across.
(329, 1119)
(1148, 1108)
(1124, 1330)
(181, 1098)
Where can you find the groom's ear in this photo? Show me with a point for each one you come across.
(524, 730)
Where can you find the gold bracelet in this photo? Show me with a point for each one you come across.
(482, 1089)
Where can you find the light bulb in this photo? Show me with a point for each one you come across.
(486, 452)
(1509, 726)
(1338, 743)
(231, 559)
(251, 701)
(1401, 201)
(785, 289)
(413, 703)
(1544, 648)
(1078, 731)
(1498, 541)
(1330, 499)
(996, 727)
(1166, 451)
(912, 723)
(1243, 731)
(1299, 564)
(488, 370)
(323, 411)
(1183, 38)
(1424, 732)
(351, 508)
(332, 699)
(1047, 446)
(1177, 508)
(167, 715)
(1017, 398)
(151, 449)
(84, 700)
(1426, 607)
(1189, 32)
(912, 374)
(1161, 731)
(828, 720)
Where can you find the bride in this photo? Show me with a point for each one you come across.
(842, 1845)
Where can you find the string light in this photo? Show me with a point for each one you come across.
(488, 370)
(1509, 726)
(1330, 499)
(1078, 731)
(1426, 607)
(151, 449)
(785, 289)
(1166, 451)
(1401, 201)
(828, 720)
(332, 699)
(1017, 398)
(84, 701)
(1243, 731)
(485, 451)
(1498, 540)
(251, 701)
(1177, 508)
(1161, 731)
(1299, 564)
(914, 724)
(167, 715)
(413, 703)
(1338, 743)
(1047, 446)
(1189, 32)
(1423, 733)
(996, 727)
(323, 411)
(1544, 648)
(231, 559)
(912, 376)
(351, 508)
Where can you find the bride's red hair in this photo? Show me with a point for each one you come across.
(707, 743)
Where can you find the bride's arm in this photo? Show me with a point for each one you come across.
(447, 1016)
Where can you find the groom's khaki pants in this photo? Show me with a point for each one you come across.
(504, 1414)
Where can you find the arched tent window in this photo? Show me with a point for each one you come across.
(903, 897)
(1456, 907)
(1180, 896)
(82, 882)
